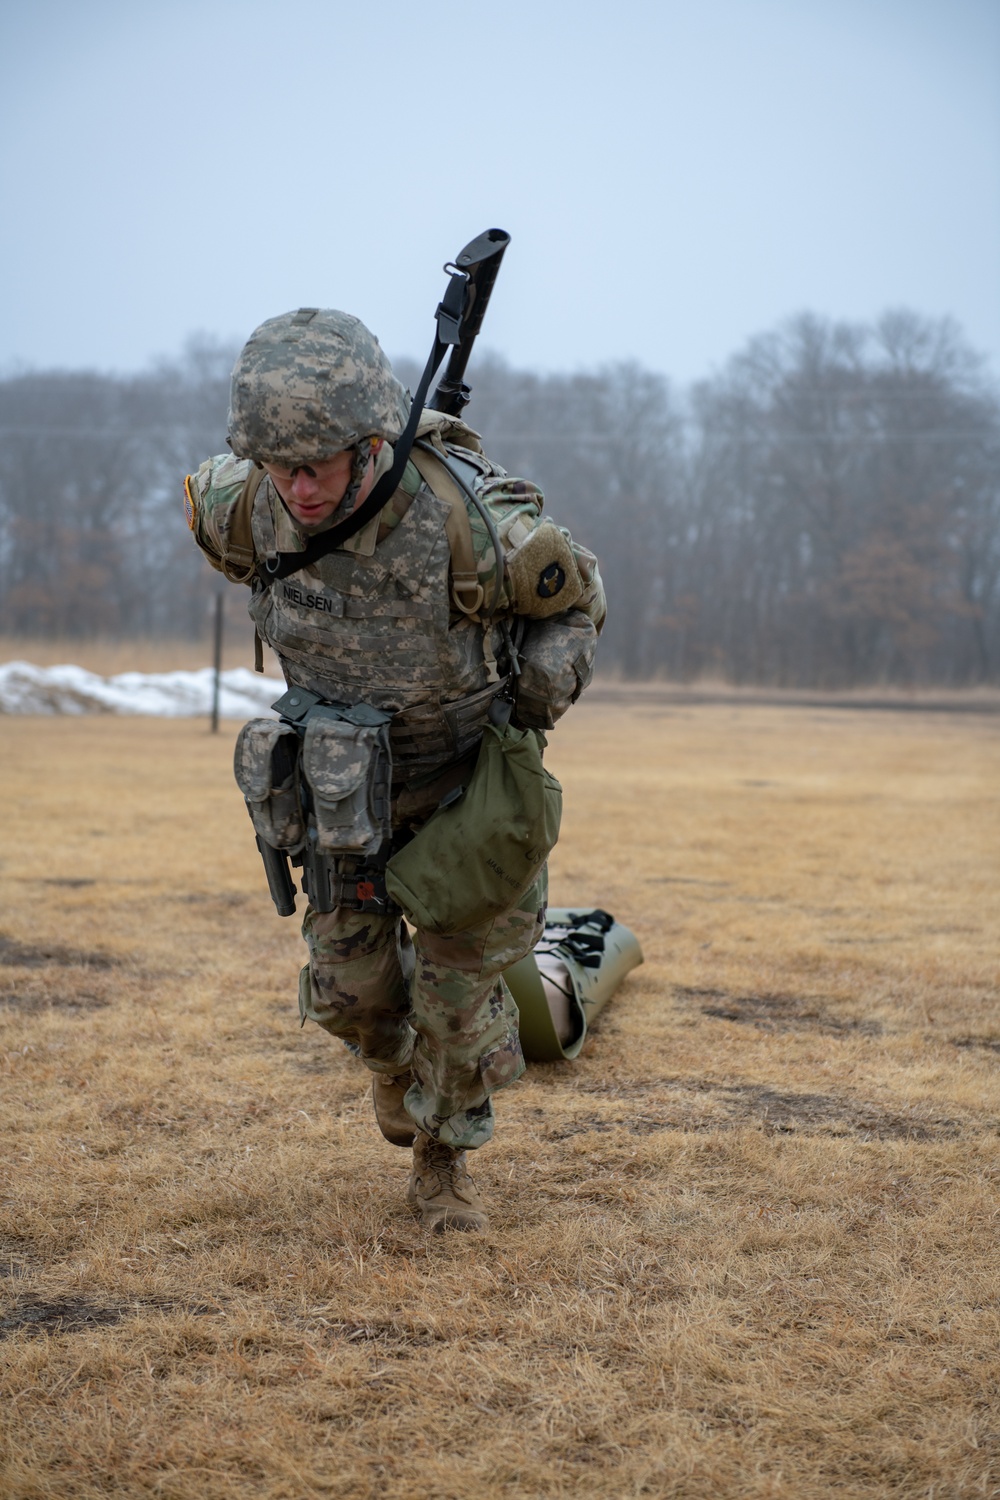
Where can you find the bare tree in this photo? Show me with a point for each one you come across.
(824, 511)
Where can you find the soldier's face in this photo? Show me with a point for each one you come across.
(313, 491)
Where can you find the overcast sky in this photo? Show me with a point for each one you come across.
(675, 176)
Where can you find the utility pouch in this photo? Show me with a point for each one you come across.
(265, 763)
(482, 848)
(347, 766)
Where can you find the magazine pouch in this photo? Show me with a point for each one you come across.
(347, 767)
(265, 764)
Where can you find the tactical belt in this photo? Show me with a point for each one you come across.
(341, 880)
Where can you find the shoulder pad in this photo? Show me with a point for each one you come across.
(218, 501)
(220, 479)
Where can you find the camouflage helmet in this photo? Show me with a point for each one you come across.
(309, 384)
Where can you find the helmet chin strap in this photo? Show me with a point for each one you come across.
(364, 454)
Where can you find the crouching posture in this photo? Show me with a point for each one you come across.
(454, 612)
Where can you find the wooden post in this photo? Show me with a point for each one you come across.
(217, 662)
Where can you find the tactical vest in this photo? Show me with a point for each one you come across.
(381, 630)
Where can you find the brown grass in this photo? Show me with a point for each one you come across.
(746, 1246)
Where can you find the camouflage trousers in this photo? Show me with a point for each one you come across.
(436, 1005)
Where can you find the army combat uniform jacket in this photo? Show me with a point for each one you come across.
(389, 620)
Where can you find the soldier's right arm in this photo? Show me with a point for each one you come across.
(218, 520)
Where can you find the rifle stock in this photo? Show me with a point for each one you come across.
(477, 264)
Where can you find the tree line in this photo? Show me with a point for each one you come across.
(824, 511)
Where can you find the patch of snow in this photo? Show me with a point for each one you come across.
(26, 689)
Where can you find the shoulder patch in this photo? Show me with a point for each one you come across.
(190, 503)
(550, 581)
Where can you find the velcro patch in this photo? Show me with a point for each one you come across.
(542, 573)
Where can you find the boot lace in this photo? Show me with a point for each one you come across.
(446, 1164)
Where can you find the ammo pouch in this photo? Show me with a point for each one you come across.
(347, 769)
(345, 775)
(265, 764)
(317, 786)
(483, 847)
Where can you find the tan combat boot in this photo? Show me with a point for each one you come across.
(388, 1093)
(441, 1190)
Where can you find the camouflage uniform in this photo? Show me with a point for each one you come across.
(452, 1021)
(376, 621)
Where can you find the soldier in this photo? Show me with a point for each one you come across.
(401, 618)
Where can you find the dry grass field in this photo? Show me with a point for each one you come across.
(745, 1247)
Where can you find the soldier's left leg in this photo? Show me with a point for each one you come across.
(466, 1021)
